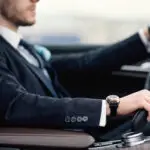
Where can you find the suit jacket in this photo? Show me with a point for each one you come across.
(25, 98)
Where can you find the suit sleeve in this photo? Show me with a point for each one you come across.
(19, 107)
(110, 58)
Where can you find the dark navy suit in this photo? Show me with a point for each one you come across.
(26, 99)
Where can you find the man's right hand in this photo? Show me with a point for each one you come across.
(138, 100)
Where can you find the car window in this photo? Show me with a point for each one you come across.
(87, 21)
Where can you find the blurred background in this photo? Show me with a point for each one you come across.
(87, 21)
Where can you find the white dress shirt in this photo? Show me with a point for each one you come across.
(14, 38)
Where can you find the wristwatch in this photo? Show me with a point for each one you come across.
(113, 101)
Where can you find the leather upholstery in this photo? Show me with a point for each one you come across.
(44, 138)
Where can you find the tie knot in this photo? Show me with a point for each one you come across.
(22, 43)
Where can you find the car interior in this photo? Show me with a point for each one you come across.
(67, 25)
(123, 81)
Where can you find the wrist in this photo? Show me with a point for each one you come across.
(119, 110)
(123, 107)
(127, 105)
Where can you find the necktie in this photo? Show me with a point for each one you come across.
(40, 68)
(27, 51)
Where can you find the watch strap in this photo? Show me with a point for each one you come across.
(113, 101)
(113, 110)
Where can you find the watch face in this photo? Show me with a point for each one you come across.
(113, 99)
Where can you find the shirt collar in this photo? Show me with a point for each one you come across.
(13, 38)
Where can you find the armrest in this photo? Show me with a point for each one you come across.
(44, 138)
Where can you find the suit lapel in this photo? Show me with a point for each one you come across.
(47, 82)
(38, 71)
(35, 71)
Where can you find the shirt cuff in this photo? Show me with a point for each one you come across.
(102, 121)
(145, 41)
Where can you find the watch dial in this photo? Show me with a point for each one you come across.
(113, 99)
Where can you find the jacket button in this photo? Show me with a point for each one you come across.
(85, 118)
(73, 119)
(79, 119)
(67, 119)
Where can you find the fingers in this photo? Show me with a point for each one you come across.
(146, 103)
(147, 98)
(147, 106)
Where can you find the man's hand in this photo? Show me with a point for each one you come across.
(133, 102)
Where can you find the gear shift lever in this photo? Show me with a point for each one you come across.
(139, 120)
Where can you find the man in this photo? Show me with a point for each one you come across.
(29, 91)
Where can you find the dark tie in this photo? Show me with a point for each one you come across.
(31, 50)
(41, 68)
